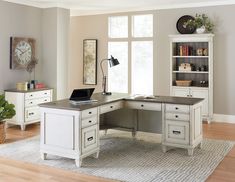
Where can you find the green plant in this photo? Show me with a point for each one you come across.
(200, 21)
(7, 110)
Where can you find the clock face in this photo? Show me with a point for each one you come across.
(23, 52)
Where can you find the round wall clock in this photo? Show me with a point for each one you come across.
(22, 52)
(182, 28)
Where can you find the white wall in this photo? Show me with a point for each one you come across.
(164, 24)
(21, 21)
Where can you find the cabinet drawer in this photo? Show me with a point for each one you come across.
(177, 108)
(89, 112)
(111, 107)
(89, 138)
(177, 132)
(89, 121)
(177, 116)
(32, 113)
(144, 105)
(35, 102)
(38, 94)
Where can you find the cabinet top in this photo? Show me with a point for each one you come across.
(192, 35)
(102, 100)
(27, 91)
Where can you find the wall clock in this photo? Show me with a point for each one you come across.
(22, 52)
(182, 28)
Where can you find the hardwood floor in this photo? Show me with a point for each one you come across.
(12, 171)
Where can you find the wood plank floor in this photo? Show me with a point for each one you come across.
(18, 171)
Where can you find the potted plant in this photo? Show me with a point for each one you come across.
(7, 111)
(202, 24)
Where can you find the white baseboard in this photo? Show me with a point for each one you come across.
(224, 118)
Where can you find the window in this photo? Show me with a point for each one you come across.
(118, 75)
(138, 61)
(118, 27)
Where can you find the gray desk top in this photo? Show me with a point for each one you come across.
(103, 99)
(26, 91)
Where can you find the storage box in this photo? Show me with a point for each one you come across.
(183, 83)
(185, 67)
(22, 86)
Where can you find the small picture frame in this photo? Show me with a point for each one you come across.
(90, 61)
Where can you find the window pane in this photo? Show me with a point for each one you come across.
(118, 27)
(142, 26)
(118, 75)
(142, 67)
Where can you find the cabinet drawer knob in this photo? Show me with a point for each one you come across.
(176, 116)
(45, 100)
(90, 112)
(31, 95)
(142, 105)
(111, 107)
(90, 139)
(176, 132)
(45, 93)
(176, 108)
(31, 113)
(90, 121)
(31, 102)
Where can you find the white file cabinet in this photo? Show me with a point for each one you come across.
(26, 105)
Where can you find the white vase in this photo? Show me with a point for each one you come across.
(201, 30)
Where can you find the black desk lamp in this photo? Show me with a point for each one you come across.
(112, 62)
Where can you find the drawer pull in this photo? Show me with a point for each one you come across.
(176, 132)
(31, 113)
(111, 107)
(31, 102)
(142, 105)
(176, 108)
(90, 113)
(90, 139)
(31, 95)
(45, 100)
(176, 116)
(89, 121)
(45, 93)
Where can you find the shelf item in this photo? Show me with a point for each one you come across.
(191, 58)
(185, 83)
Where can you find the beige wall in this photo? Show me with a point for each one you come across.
(22, 21)
(164, 24)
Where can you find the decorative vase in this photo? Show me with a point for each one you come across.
(2, 132)
(201, 30)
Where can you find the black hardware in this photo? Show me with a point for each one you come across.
(90, 139)
(176, 132)
(111, 107)
(142, 105)
(90, 121)
(176, 116)
(176, 108)
(90, 112)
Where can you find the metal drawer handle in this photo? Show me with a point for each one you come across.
(31, 102)
(176, 108)
(45, 100)
(176, 132)
(31, 95)
(45, 93)
(90, 112)
(142, 105)
(89, 121)
(31, 113)
(176, 116)
(90, 139)
(111, 107)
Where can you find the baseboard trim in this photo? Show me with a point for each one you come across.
(224, 118)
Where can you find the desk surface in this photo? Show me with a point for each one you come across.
(104, 99)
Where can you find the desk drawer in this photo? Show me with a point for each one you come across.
(111, 107)
(32, 113)
(177, 108)
(143, 105)
(35, 102)
(38, 94)
(89, 138)
(89, 121)
(89, 112)
(177, 116)
(177, 132)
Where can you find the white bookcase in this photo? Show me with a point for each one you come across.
(197, 50)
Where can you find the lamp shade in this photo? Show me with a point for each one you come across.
(113, 61)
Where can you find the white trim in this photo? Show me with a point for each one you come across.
(224, 118)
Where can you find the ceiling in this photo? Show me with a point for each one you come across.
(88, 7)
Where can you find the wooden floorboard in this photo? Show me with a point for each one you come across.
(18, 171)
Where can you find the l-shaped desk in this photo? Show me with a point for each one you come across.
(72, 131)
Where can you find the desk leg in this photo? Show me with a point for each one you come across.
(96, 155)
(164, 148)
(78, 162)
(43, 156)
(190, 152)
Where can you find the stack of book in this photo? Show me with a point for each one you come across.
(184, 50)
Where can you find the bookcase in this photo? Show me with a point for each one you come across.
(191, 68)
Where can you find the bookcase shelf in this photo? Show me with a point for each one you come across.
(196, 51)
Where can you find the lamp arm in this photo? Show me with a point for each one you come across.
(101, 65)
